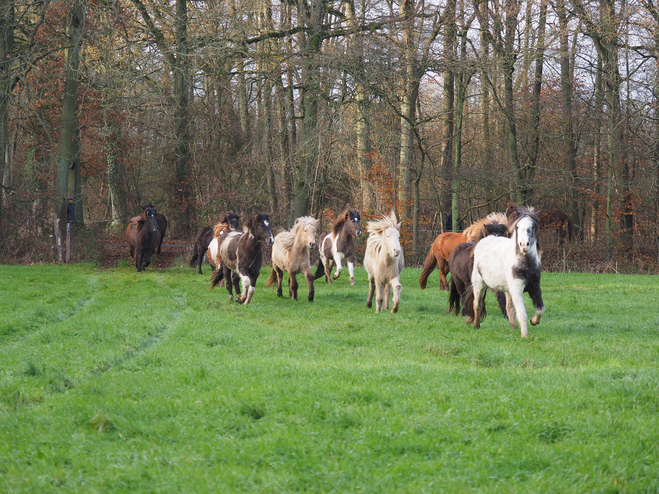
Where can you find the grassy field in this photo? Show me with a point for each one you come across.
(114, 381)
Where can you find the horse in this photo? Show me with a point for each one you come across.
(337, 244)
(162, 225)
(290, 253)
(444, 244)
(550, 219)
(143, 234)
(242, 257)
(206, 235)
(510, 265)
(384, 262)
(461, 265)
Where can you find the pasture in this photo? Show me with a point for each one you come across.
(118, 381)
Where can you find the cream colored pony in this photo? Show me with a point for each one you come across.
(384, 262)
(290, 253)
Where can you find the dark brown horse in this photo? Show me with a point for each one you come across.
(438, 255)
(242, 257)
(162, 226)
(206, 235)
(338, 244)
(461, 264)
(143, 234)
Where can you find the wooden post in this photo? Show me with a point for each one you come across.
(68, 242)
(58, 237)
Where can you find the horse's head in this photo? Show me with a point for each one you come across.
(259, 226)
(305, 228)
(387, 230)
(526, 230)
(391, 240)
(353, 225)
(232, 220)
(150, 217)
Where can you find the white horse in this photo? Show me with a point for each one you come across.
(384, 262)
(510, 265)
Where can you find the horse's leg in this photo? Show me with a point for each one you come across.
(139, 259)
(229, 281)
(339, 267)
(248, 289)
(517, 297)
(536, 297)
(387, 294)
(240, 295)
(328, 270)
(510, 310)
(280, 280)
(351, 269)
(443, 271)
(371, 290)
(479, 291)
(292, 279)
(310, 280)
(379, 296)
(395, 283)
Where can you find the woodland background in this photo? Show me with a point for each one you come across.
(307, 106)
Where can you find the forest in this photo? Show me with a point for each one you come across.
(304, 107)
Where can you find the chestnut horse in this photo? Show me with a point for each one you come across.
(143, 234)
(337, 244)
(290, 253)
(438, 255)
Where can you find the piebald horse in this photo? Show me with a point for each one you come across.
(510, 265)
(337, 244)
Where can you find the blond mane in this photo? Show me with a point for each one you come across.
(379, 227)
(476, 231)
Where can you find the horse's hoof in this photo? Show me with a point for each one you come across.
(535, 321)
(310, 299)
(352, 281)
(369, 304)
(395, 309)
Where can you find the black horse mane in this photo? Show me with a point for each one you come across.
(346, 215)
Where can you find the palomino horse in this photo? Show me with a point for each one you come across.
(493, 224)
(206, 236)
(290, 253)
(143, 234)
(242, 257)
(384, 262)
(337, 244)
(510, 265)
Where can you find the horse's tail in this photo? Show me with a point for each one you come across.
(195, 256)
(216, 277)
(271, 279)
(468, 304)
(428, 266)
(453, 298)
(320, 270)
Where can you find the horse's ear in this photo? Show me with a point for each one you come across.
(398, 225)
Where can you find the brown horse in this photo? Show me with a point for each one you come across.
(438, 255)
(205, 237)
(162, 225)
(143, 234)
(242, 257)
(290, 253)
(337, 244)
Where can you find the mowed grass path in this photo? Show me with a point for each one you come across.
(114, 381)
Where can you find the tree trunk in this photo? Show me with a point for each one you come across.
(597, 146)
(6, 60)
(462, 81)
(450, 32)
(67, 154)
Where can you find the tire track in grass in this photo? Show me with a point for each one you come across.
(154, 336)
(39, 319)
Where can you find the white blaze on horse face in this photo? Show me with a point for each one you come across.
(525, 234)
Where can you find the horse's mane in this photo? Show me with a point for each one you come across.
(378, 228)
(514, 215)
(223, 226)
(287, 239)
(477, 231)
(346, 215)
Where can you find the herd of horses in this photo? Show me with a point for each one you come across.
(500, 252)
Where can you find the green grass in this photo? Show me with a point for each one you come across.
(114, 381)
